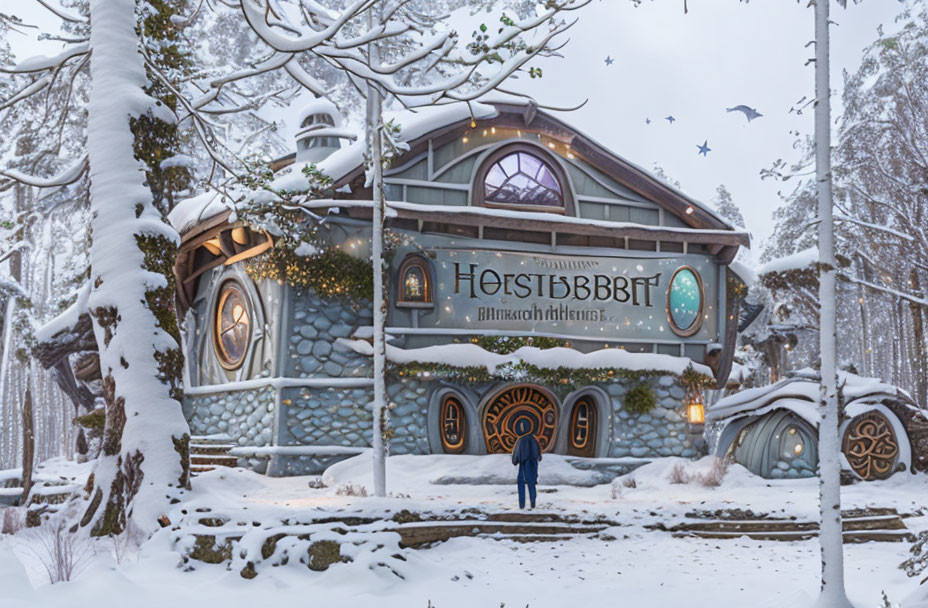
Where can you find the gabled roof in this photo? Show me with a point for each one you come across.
(446, 122)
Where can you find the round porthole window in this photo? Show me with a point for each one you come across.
(232, 329)
(685, 301)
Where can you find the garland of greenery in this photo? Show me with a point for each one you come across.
(562, 378)
(298, 257)
(504, 345)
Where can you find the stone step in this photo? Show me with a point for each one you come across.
(209, 448)
(419, 534)
(214, 460)
(862, 526)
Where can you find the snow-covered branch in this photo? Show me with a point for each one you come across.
(69, 175)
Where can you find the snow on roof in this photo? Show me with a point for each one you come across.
(190, 212)
(413, 123)
(747, 274)
(67, 319)
(471, 355)
(801, 388)
(321, 105)
(801, 259)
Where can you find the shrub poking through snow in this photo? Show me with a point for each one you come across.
(14, 520)
(678, 474)
(63, 554)
(918, 563)
(716, 473)
(616, 489)
(640, 400)
(349, 489)
(629, 482)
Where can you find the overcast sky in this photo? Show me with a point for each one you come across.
(692, 66)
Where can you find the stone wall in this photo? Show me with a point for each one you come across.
(408, 400)
(664, 431)
(247, 417)
(314, 327)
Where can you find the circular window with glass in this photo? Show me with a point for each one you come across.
(232, 329)
(685, 301)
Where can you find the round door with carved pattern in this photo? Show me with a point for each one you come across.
(871, 446)
(504, 413)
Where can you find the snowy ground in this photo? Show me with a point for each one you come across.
(639, 568)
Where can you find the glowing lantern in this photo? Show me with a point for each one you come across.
(695, 408)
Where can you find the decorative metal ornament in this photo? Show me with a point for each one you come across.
(523, 402)
(871, 446)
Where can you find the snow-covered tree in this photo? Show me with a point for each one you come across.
(727, 208)
(130, 294)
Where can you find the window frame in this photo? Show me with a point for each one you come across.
(224, 291)
(418, 261)
(479, 195)
(693, 329)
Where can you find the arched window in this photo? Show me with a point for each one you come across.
(414, 288)
(520, 178)
(318, 119)
(453, 425)
(232, 327)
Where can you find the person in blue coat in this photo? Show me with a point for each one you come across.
(526, 455)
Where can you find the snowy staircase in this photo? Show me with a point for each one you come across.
(210, 451)
(519, 527)
(216, 538)
(860, 526)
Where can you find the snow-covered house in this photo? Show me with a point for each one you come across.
(773, 430)
(531, 274)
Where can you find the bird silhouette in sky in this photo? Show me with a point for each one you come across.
(647, 121)
(749, 113)
(609, 60)
(704, 149)
(670, 119)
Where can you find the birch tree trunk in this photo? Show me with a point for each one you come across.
(375, 140)
(145, 458)
(919, 356)
(830, 536)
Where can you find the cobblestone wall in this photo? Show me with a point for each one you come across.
(245, 416)
(664, 431)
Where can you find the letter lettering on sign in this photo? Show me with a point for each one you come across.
(603, 288)
(581, 291)
(459, 277)
(493, 282)
(620, 289)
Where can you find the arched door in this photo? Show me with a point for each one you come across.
(509, 407)
(582, 438)
(453, 425)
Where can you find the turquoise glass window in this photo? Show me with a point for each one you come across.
(684, 302)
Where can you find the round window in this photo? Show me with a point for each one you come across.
(232, 330)
(685, 301)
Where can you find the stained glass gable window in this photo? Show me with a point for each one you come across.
(521, 178)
